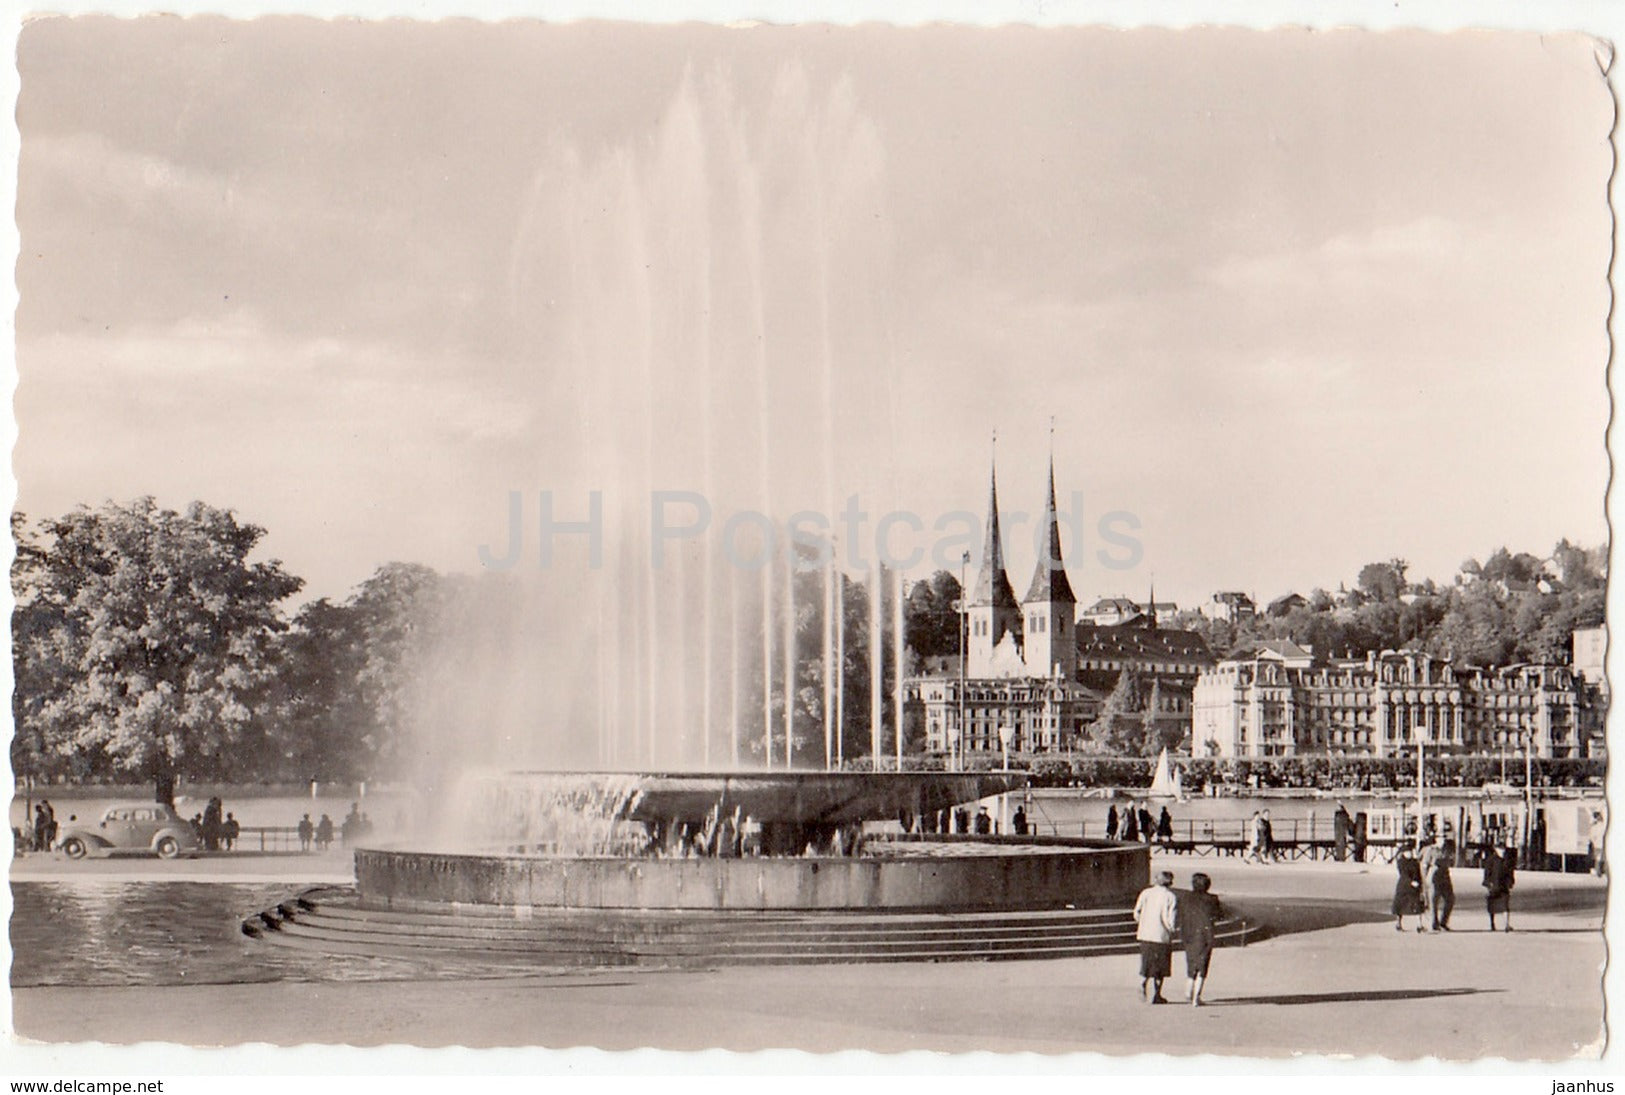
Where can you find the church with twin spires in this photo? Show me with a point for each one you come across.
(1031, 678)
(1017, 686)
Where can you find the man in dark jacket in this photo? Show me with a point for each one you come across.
(1500, 875)
(1342, 829)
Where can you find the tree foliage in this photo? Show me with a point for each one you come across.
(144, 637)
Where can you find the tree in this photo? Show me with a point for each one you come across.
(1383, 581)
(932, 616)
(325, 728)
(1120, 727)
(149, 636)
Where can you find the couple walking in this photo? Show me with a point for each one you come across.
(1423, 885)
(1158, 913)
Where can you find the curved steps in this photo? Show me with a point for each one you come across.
(331, 921)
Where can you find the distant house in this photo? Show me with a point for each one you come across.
(1590, 648)
(1230, 606)
(1283, 606)
(1285, 651)
(1111, 611)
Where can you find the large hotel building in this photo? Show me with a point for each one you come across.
(1282, 701)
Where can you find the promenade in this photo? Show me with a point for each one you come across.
(1334, 978)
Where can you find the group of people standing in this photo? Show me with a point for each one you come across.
(1135, 823)
(44, 825)
(1424, 888)
(216, 827)
(1159, 912)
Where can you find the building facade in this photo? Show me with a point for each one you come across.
(1264, 706)
(1231, 606)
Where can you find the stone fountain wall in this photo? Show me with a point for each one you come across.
(990, 874)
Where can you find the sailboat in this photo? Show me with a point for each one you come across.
(1167, 782)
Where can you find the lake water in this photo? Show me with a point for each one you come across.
(97, 932)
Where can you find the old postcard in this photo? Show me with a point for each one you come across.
(548, 535)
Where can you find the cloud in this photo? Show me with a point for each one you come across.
(234, 377)
(1412, 252)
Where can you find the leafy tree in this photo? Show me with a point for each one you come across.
(1120, 728)
(325, 726)
(1383, 581)
(1503, 566)
(932, 616)
(148, 636)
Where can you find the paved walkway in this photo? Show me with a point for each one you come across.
(1335, 979)
(334, 866)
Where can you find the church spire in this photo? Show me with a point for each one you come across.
(992, 583)
(1049, 582)
(1151, 606)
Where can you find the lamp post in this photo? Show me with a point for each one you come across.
(1528, 736)
(957, 748)
(1006, 732)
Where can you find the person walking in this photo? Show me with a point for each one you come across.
(306, 832)
(1408, 900)
(42, 829)
(1155, 917)
(1500, 875)
(1342, 828)
(1148, 824)
(1111, 822)
(1199, 914)
(1018, 821)
(50, 823)
(1441, 892)
(1255, 836)
(1266, 838)
(230, 830)
(1165, 827)
(324, 833)
(1131, 828)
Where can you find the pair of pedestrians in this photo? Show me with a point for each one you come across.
(1158, 913)
(1423, 886)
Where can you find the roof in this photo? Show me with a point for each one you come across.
(992, 583)
(1049, 584)
(1285, 649)
(1131, 642)
(1113, 604)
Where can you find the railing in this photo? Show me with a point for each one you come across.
(274, 838)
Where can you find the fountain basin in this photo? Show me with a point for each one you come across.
(983, 874)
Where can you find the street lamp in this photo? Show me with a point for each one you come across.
(1006, 732)
(956, 749)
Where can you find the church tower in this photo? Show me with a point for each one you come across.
(992, 615)
(1050, 608)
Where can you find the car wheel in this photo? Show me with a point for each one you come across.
(74, 848)
(167, 847)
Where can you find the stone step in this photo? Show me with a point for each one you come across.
(474, 940)
(824, 928)
(342, 903)
(330, 921)
(538, 959)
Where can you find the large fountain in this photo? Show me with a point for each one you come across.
(725, 868)
(709, 302)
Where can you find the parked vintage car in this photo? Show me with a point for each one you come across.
(143, 828)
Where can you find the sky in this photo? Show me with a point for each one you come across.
(1295, 301)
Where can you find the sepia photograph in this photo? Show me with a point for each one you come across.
(592, 534)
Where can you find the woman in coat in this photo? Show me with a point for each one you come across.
(1500, 876)
(1111, 822)
(1408, 900)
